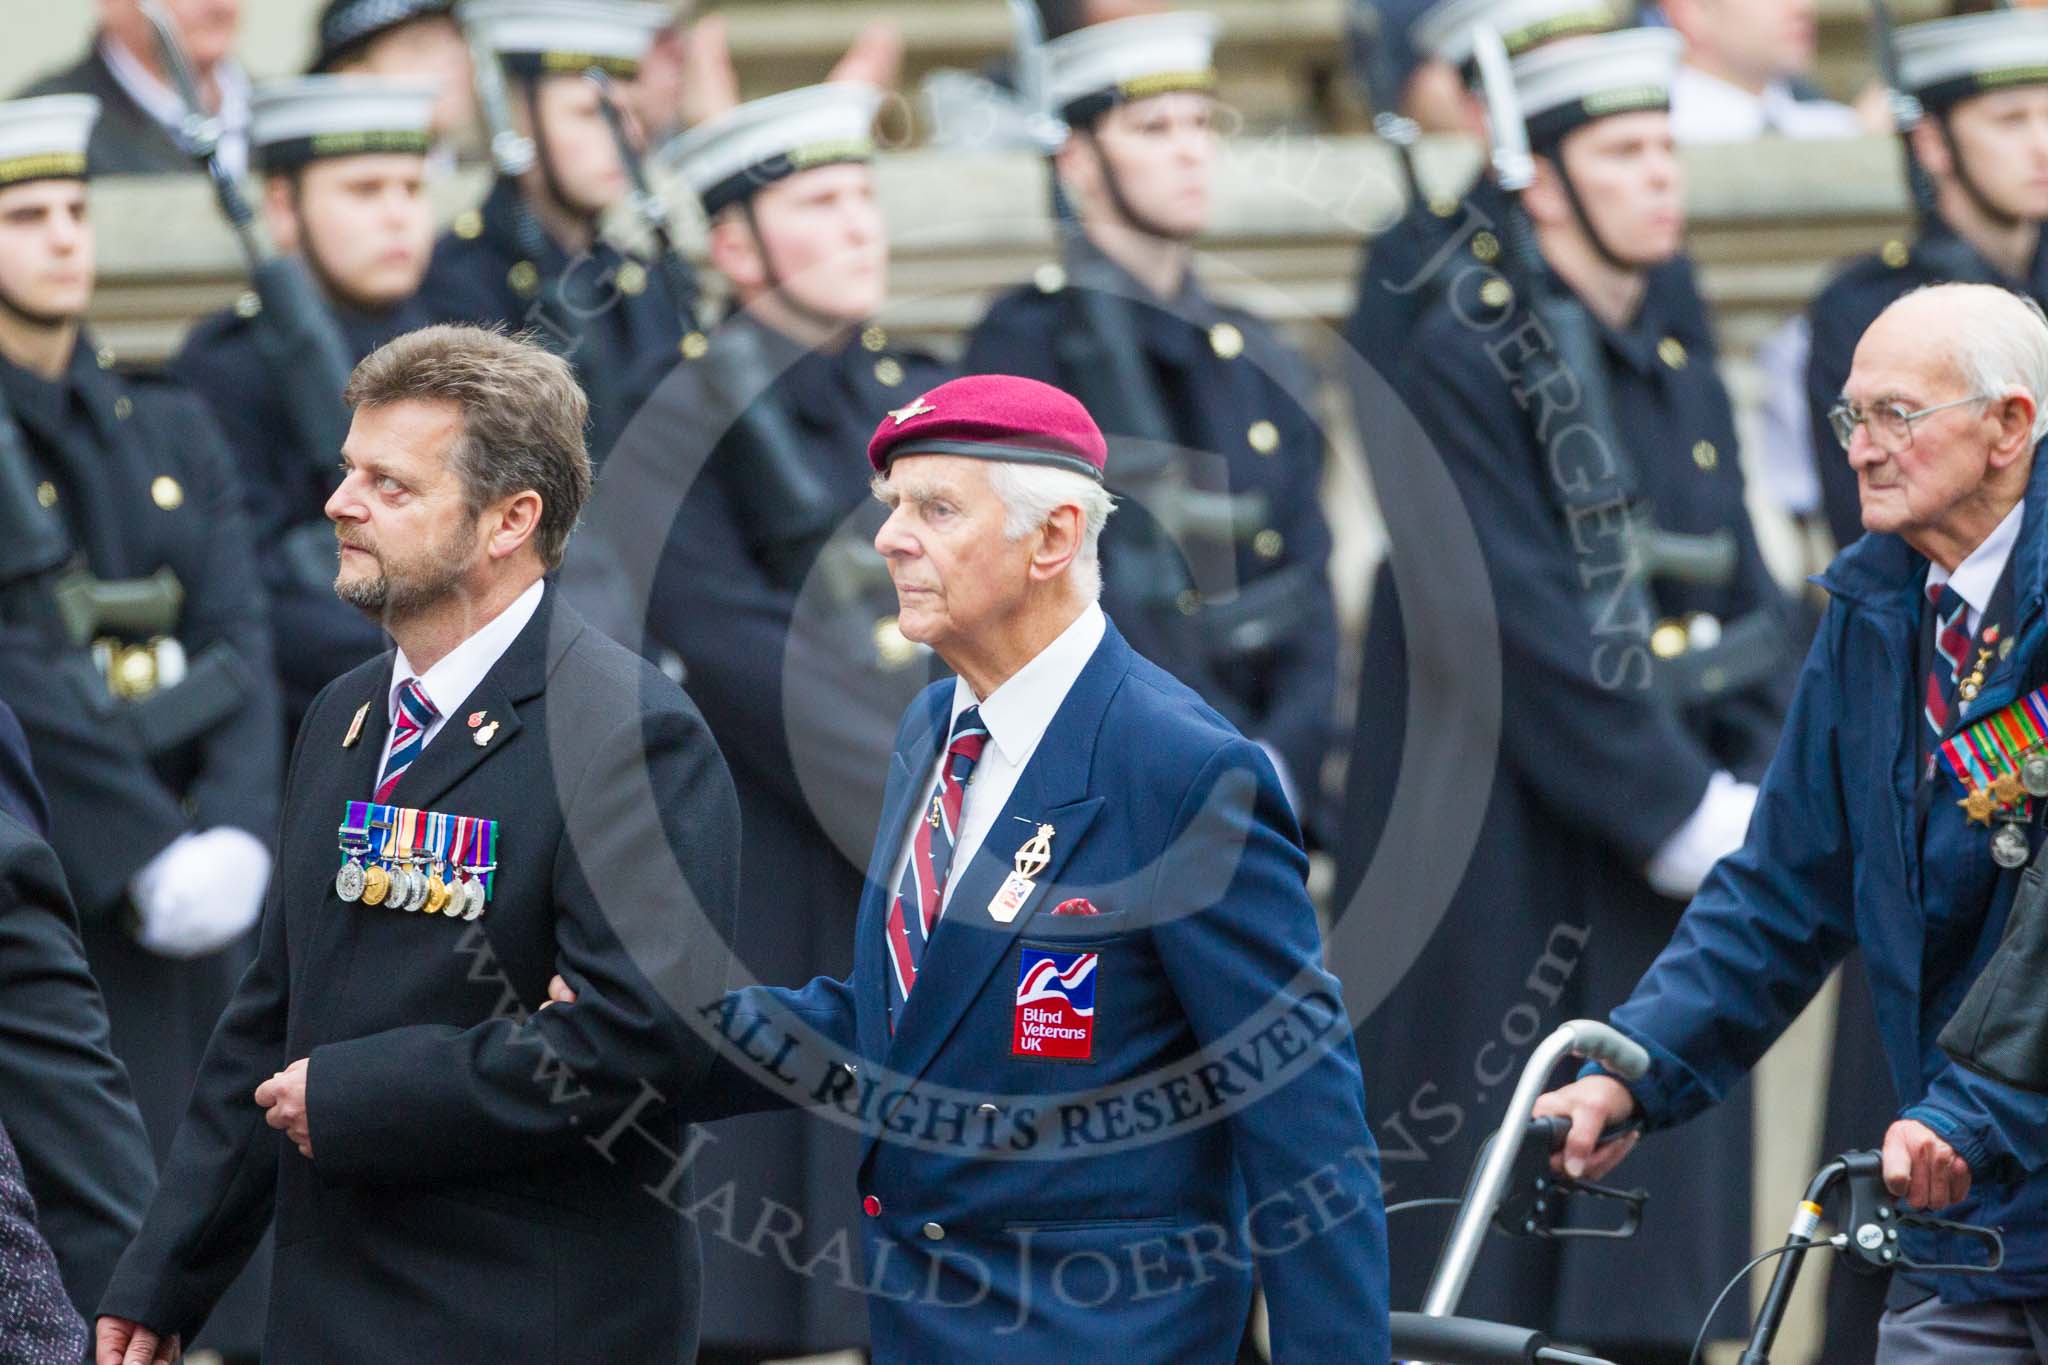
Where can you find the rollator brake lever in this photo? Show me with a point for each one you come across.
(1536, 1198)
(1872, 1221)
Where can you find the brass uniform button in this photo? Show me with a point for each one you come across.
(523, 277)
(888, 373)
(104, 357)
(933, 1232)
(46, 494)
(1263, 436)
(124, 408)
(1486, 247)
(1049, 278)
(694, 345)
(1705, 456)
(247, 305)
(632, 279)
(133, 676)
(1443, 205)
(1495, 293)
(1226, 341)
(1268, 543)
(469, 225)
(873, 338)
(1672, 352)
(892, 646)
(1669, 639)
(165, 492)
(1189, 602)
(1895, 254)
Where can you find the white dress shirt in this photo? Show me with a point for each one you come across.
(162, 103)
(449, 682)
(1706, 108)
(1976, 578)
(1016, 715)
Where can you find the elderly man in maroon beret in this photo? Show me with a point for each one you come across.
(1100, 1072)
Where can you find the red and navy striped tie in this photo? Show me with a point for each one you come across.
(931, 858)
(1951, 647)
(408, 735)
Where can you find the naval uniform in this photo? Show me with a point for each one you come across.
(802, 690)
(285, 487)
(1240, 397)
(1553, 911)
(625, 313)
(138, 469)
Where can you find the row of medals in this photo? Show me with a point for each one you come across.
(404, 886)
(2009, 847)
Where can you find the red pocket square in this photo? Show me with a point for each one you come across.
(1080, 905)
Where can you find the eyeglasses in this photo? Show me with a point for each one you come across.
(1890, 424)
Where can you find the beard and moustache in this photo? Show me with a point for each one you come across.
(402, 588)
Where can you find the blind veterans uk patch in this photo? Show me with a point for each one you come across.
(1055, 1015)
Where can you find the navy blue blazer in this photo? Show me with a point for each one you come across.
(1110, 1207)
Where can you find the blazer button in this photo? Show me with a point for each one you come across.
(871, 1206)
(933, 1232)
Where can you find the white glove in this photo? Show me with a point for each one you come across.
(201, 893)
(1714, 830)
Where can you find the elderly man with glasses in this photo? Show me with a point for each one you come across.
(1903, 801)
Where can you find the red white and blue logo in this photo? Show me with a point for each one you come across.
(1055, 1014)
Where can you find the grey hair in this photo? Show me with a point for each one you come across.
(2002, 346)
(1030, 494)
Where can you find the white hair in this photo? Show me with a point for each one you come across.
(1030, 494)
(2002, 346)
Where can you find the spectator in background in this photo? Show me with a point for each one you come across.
(1744, 73)
(414, 40)
(139, 110)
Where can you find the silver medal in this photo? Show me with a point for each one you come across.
(416, 893)
(401, 888)
(473, 898)
(2009, 845)
(2034, 773)
(348, 883)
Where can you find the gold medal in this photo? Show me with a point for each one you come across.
(376, 884)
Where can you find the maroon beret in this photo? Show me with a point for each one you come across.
(994, 417)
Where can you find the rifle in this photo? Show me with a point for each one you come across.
(1750, 647)
(294, 329)
(1373, 66)
(788, 514)
(1951, 258)
(513, 154)
(47, 592)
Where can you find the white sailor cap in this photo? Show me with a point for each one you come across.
(566, 37)
(1091, 69)
(292, 122)
(1444, 31)
(1576, 80)
(725, 159)
(45, 138)
(1946, 60)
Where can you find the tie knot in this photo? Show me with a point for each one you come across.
(1947, 601)
(412, 699)
(969, 735)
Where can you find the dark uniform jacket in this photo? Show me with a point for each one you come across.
(455, 1208)
(626, 317)
(1243, 402)
(802, 677)
(1509, 782)
(64, 1099)
(126, 140)
(1839, 316)
(285, 488)
(137, 467)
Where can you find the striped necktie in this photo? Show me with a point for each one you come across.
(915, 911)
(408, 735)
(1951, 647)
